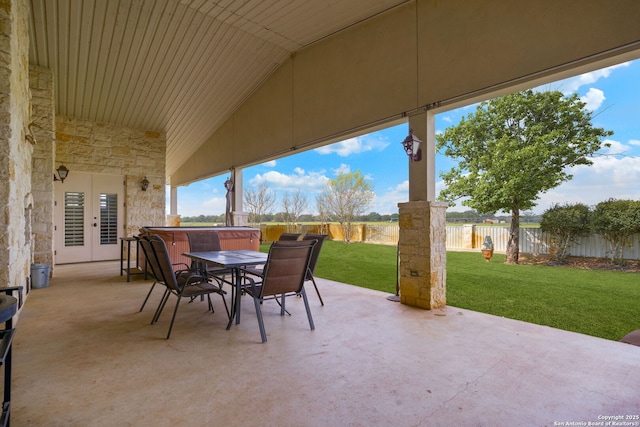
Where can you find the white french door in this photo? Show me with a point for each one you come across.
(88, 217)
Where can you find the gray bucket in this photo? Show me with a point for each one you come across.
(40, 275)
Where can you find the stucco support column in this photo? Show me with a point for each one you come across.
(239, 217)
(422, 242)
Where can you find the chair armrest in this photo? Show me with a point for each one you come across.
(181, 263)
(191, 272)
(190, 277)
(251, 288)
(253, 271)
(9, 290)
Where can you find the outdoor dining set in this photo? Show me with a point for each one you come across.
(276, 275)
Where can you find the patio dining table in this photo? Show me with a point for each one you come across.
(234, 260)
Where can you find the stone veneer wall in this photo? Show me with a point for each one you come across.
(42, 115)
(103, 148)
(423, 254)
(16, 201)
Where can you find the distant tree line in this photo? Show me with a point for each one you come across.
(466, 217)
(280, 217)
(474, 217)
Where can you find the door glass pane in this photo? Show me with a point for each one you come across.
(108, 219)
(73, 218)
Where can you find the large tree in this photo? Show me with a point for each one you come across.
(512, 149)
(259, 202)
(293, 205)
(345, 197)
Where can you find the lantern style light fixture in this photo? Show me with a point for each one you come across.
(144, 184)
(63, 172)
(411, 146)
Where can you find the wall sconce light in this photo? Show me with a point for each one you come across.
(144, 184)
(63, 172)
(411, 146)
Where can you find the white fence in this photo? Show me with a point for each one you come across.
(532, 240)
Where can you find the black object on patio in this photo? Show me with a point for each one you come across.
(283, 276)
(182, 283)
(314, 259)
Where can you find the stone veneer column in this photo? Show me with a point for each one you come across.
(469, 230)
(173, 221)
(240, 218)
(16, 200)
(423, 254)
(43, 114)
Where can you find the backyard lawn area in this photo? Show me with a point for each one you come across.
(601, 303)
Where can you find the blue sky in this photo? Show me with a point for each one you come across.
(612, 94)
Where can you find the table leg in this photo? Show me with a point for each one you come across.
(138, 260)
(121, 255)
(236, 288)
(128, 260)
(238, 294)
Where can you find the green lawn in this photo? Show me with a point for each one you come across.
(605, 304)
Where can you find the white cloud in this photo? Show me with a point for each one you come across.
(311, 182)
(342, 169)
(215, 204)
(572, 84)
(188, 206)
(308, 183)
(356, 145)
(635, 142)
(609, 177)
(615, 148)
(270, 164)
(387, 202)
(205, 185)
(593, 99)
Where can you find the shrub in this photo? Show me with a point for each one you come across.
(616, 220)
(565, 224)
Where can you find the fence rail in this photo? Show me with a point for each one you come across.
(532, 240)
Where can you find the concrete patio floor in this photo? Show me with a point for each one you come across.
(85, 356)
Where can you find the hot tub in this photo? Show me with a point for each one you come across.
(231, 238)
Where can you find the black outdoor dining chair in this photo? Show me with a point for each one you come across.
(146, 249)
(257, 270)
(182, 283)
(289, 236)
(283, 276)
(207, 242)
(152, 265)
(314, 259)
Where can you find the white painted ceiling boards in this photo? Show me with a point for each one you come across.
(180, 67)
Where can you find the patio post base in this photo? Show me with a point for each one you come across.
(422, 247)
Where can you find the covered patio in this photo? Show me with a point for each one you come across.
(85, 356)
(144, 94)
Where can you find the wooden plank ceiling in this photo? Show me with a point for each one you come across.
(180, 67)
